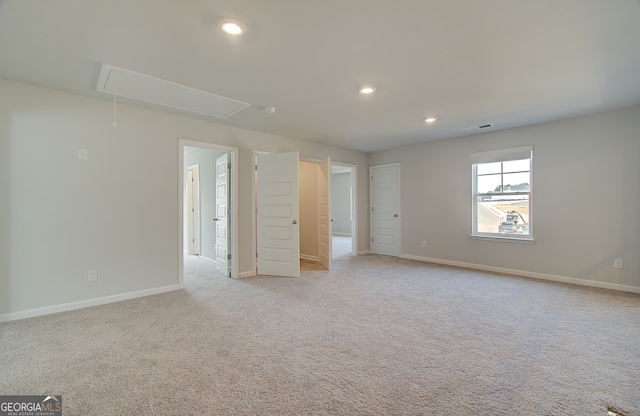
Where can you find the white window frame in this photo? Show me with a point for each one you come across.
(503, 155)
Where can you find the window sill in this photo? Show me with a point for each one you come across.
(528, 240)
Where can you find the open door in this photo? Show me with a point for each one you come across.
(222, 214)
(193, 206)
(278, 239)
(324, 213)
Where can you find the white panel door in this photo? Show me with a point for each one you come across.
(385, 203)
(222, 214)
(324, 213)
(278, 237)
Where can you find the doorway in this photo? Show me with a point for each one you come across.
(213, 216)
(279, 205)
(301, 228)
(315, 212)
(343, 210)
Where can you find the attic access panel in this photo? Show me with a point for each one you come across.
(148, 89)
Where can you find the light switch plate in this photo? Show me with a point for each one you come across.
(92, 276)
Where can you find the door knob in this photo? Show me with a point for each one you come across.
(395, 215)
(294, 221)
(215, 219)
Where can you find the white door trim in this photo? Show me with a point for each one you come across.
(233, 234)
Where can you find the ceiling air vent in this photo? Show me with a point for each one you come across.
(484, 126)
(148, 89)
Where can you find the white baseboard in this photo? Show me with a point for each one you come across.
(242, 275)
(208, 259)
(363, 252)
(48, 310)
(342, 234)
(534, 275)
(309, 258)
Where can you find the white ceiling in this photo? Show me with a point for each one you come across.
(468, 62)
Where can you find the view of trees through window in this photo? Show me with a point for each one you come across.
(503, 192)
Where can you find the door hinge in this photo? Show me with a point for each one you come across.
(228, 256)
(371, 177)
(256, 166)
(229, 166)
(372, 239)
(193, 210)
(371, 209)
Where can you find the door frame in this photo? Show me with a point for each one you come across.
(317, 258)
(371, 200)
(233, 185)
(254, 225)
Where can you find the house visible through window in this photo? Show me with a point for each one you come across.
(502, 193)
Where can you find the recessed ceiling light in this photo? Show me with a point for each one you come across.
(430, 120)
(367, 89)
(232, 27)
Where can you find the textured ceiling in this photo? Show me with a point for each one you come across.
(468, 62)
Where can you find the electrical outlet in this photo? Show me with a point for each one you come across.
(83, 154)
(617, 263)
(424, 243)
(92, 276)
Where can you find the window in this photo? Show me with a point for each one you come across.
(502, 194)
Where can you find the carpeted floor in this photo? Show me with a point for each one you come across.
(374, 336)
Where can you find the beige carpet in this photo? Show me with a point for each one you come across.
(375, 336)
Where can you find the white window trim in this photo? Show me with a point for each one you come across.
(497, 156)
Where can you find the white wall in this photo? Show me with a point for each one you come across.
(116, 212)
(586, 200)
